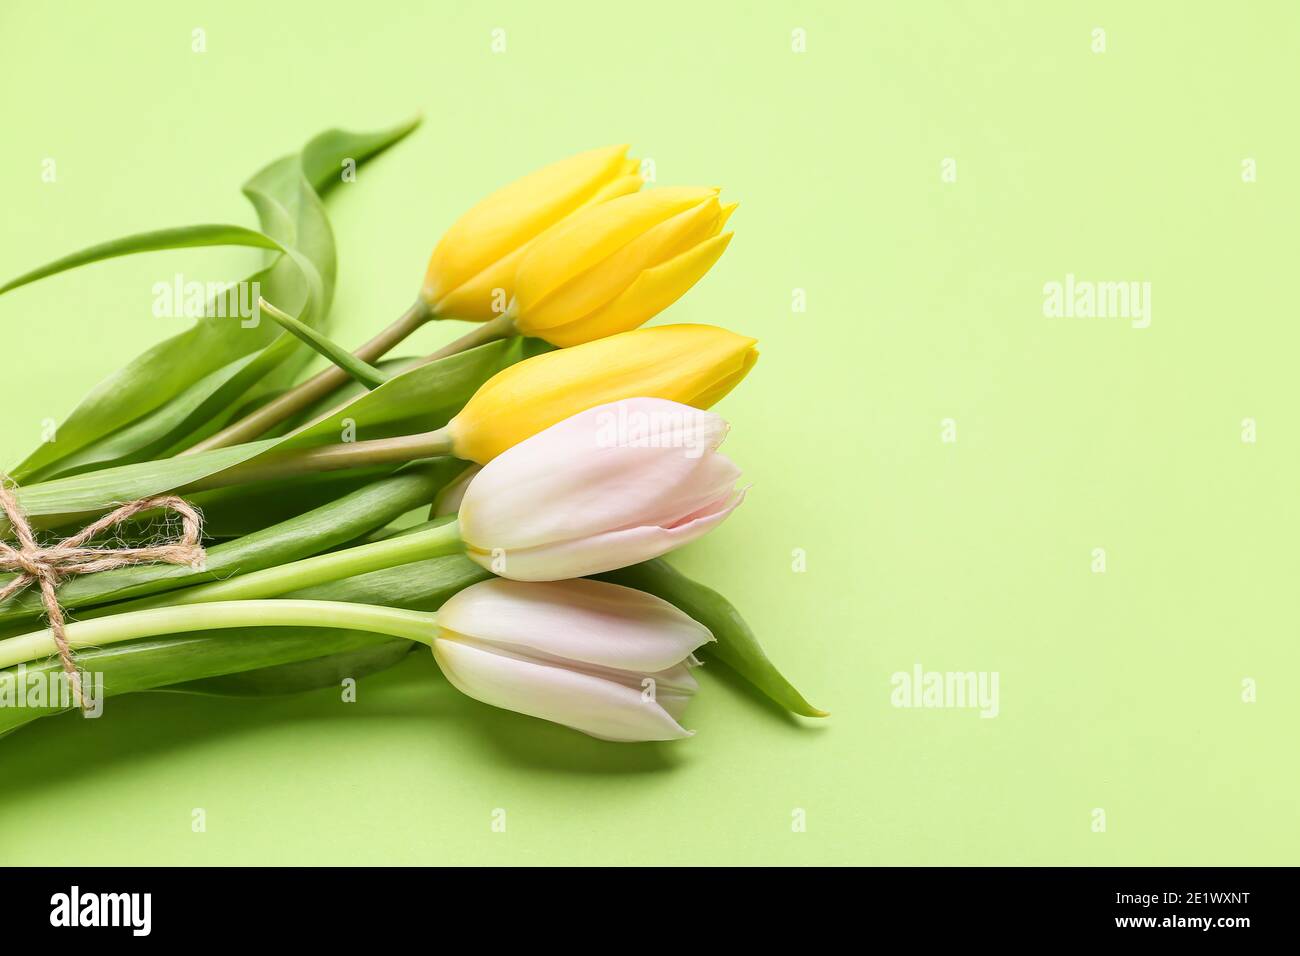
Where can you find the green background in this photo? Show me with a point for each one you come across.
(1120, 691)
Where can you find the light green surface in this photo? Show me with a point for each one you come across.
(1119, 691)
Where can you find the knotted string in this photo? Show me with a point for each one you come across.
(48, 566)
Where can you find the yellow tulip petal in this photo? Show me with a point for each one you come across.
(515, 214)
(622, 186)
(609, 278)
(592, 234)
(720, 388)
(683, 363)
(485, 295)
(652, 292)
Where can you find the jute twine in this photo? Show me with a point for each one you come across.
(48, 566)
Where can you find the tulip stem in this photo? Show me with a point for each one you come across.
(502, 327)
(288, 464)
(411, 625)
(438, 540)
(303, 396)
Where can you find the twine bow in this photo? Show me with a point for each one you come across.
(48, 566)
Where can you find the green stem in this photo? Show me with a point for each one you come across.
(435, 542)
(411, 625)
(356, 454)
(358, 368)
(301, 397)
(502, 327)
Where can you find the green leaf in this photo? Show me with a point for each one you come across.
(183, 237)
(418, 400)
(736, 646)
(273, 661)
(286, 197)
(240, 510)
(155, 663)
(299, 676)
(171, 662)
(323, 157)
(266, 661)
(360, 370)
(326, 527)
(80, 496)
(168, 368)
(520, 348)
(160, 431)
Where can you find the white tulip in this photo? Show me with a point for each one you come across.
(611, 486)
(607, 660)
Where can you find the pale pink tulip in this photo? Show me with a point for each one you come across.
(607, 660)
(605, 488)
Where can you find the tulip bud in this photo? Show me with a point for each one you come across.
(609, 268)
(692, 364)
(608, 487)
(472, 271)
(600, 658)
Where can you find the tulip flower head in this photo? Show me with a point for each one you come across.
(607, 660)
(691, 364)
(610, 267)
(471, 274)
(608, 487)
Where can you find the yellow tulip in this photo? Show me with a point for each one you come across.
(471, 273)
(692, 364)
(610, 267)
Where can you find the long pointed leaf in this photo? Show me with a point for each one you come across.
(324, 157)
(158, 432)
(160, 371)
(285, 194)
(182, 237)
(736, 644)
(421, 399)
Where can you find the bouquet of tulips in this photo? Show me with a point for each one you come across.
(559, 448)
